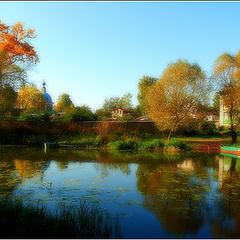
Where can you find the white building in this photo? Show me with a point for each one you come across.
(224, 119)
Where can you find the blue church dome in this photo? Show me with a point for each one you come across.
(49, 105)
(48, 97)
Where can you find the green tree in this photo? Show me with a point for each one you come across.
(143, 85)
(124, 102)
(102, 115)
(82, 113)
(64, 103)
(32, 115)
(77, 114)
(8, 98)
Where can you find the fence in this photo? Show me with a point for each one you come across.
(19, 128)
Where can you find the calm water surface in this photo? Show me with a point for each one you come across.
(154, 195)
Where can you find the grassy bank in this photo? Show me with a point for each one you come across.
(126, 144)
(19, 221)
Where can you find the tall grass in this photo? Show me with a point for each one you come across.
(20, 221)
(83, 141)
(177, 144)
(128, 144)
(151, 144)
(124, 144)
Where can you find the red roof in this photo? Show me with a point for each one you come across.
(121, 109)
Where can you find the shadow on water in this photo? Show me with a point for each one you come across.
(185, 192)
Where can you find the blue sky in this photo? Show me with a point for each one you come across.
(97, 50)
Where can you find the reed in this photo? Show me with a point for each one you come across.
(18, 220)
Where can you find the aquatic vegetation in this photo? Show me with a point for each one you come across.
(28, 221)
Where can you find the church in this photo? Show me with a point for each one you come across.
(49, 105)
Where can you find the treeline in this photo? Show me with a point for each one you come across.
(180, 98)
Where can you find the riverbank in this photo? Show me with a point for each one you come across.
(125, 144)
(182, 144)
(155, 144)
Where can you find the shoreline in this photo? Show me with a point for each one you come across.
(211, 146)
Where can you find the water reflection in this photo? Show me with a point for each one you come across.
(173, 194)
(189, 195)
(228, 223)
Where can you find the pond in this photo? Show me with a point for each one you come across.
(153, 195)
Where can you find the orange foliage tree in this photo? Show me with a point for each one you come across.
(178, 98)
(16, 52)
(30, 97)
(227, 80)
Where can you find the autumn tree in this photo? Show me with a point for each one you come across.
(178, 97)
(64, 103)
(30, 98)
(143, 85)
(16, 53)
(227, 80)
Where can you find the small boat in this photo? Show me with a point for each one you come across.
(230, 155)
(51, 145)
(230, 150)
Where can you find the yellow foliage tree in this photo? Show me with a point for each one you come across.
(30, 97)
(64, 103)
(227, 76)
(178, 97)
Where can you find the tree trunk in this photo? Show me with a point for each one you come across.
(233, 130)
(234, 135)
(170, 134)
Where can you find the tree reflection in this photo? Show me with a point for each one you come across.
(175, 191)
(8, 179)
(29, 168)
(14, 167)
(178, 189)
(227, 224)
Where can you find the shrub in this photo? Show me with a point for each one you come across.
(172, 150)
(153, 144)
(82, 113)
(208, 128)
(34, 116)
(123, 145)
(221, 128)
(177, 144)
(188, 131)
